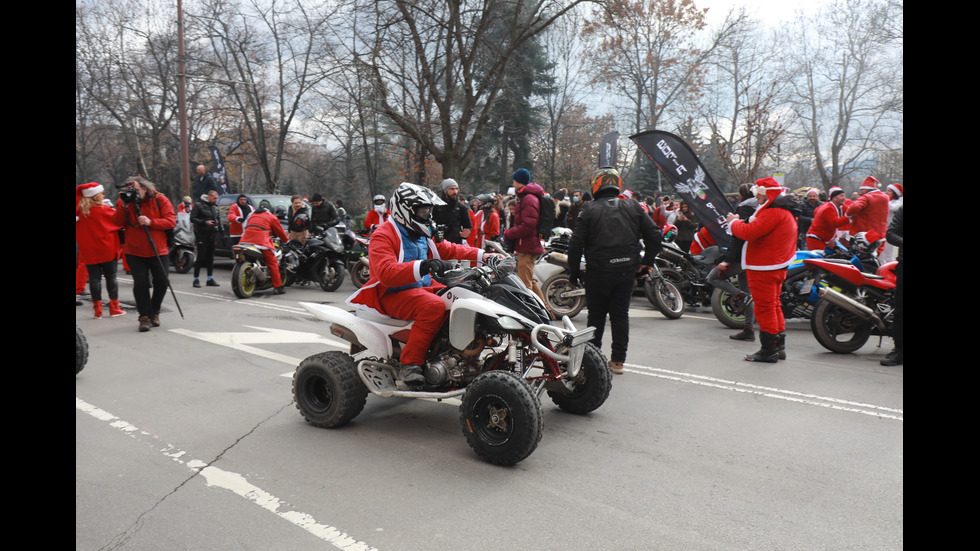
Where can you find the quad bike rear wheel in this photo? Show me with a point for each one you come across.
(327, 389)
(501, 417)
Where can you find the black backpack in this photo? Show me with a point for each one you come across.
(546, 215)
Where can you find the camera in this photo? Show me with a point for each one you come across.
(128, 193)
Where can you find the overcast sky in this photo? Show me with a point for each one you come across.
(771, 12)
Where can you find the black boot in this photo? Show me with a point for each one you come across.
(411, 375)
(767, 353)
(893, 358)
(781, 346)
(746, 334)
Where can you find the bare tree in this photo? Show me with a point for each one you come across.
(847, 93)
(446, 103)
(742, 101)
(268, 55)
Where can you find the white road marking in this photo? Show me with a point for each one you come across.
(779, 394)
(234, 482)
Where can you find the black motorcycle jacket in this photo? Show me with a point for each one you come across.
(608, 232)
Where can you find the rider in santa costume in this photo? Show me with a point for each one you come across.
(770, 246)
(260, 226)
(402, 255)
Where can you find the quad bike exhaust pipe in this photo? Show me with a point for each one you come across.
(851, 305)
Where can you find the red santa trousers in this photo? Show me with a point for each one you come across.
(429, 312)
(765, 287)
(273, 264)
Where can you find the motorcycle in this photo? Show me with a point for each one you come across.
(251, 273)
(182, 254)
(497, 350)
(355, 254)
(320, 260)
(679, 279)
(563, 298)
(854, 305)
(798, 298)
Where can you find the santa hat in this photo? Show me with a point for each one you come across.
(627, 194)
(90, 189)
(869, 184)
(770, 186)
(896, 189)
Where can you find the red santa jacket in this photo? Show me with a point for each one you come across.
(235, 227)
(374, 219)
(160, 211)
(827, 219)
(386, 254)
(259, 228)
(702, 240)
(97, 235)
(770, 238)
(484, 227)
(869, 212)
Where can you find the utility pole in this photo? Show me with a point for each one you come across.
(185, 179)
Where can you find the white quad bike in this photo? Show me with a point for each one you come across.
(498, 350)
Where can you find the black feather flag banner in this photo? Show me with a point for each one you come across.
(675, 159)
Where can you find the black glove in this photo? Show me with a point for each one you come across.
(434, 266)
(575, 278)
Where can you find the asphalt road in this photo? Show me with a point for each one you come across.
(187, 437)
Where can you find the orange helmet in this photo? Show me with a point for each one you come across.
(606, 178)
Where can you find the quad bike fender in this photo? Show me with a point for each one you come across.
(353, 329)
(462, 318)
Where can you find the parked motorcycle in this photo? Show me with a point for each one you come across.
(320, 260)
(563, 298)
(498, 351)
(355, 254)
(680, 279)
(182, 254)
(798, 298)
(251, 273)
(663, 293)
(854, 305)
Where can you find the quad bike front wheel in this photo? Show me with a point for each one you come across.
(327, 389)
(589, 388)
(501, 417)
(81, 350)
(242, 280)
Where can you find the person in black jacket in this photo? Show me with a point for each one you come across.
(894, 236)
(454, 214)
(731, 265)
(207, 224)
(323, 215)
(608, 231)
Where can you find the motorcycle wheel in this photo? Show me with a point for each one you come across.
(724, 305)
(330, 275)
(553, 287)
(590, 387)
(184, 262)
(327, 389)
(360, 274)
(501, 417)
(665, 297)
(81, 350)
(838, 330)
(242, 282)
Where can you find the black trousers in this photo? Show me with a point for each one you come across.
(95, 274)
(609, 294)
(898, 324)
(205, 242)
(149, 272)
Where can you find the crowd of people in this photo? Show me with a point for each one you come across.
(615, 231)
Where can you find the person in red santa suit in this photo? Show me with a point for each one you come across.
(486, 222)
(377, 215)
(238, 212)
(97, 237)
(702, 240)
(869, 212)
(828, 220)
(260, 226)
(770, 237)
(403, 254)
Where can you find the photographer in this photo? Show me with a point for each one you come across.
(146, 216)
